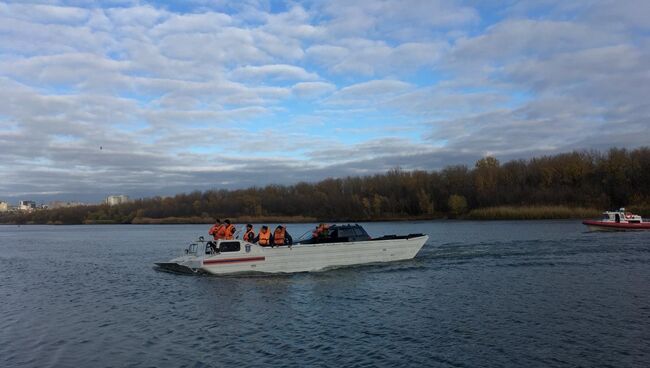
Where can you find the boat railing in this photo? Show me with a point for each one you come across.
(191, 249)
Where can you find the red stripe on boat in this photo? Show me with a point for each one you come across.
(233, 260)
(618, 225)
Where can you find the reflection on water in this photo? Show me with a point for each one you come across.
(540, 293)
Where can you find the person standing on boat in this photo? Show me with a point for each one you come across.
(229, 230)
(281, 236)
(249, 233)
(214, 230)
(264, 237)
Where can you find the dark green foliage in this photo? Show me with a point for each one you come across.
(578, 179)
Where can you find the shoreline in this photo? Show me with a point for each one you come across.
(283, 220)
(496, 213)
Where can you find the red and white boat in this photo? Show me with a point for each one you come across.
(617, 221)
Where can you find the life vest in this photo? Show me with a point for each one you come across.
(215, 230)
(264, 238)
(278, 236)
(221, 232)
(249, 236)
(229, 231)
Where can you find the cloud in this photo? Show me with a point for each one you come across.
(293, 24)
(518, 39)
(83, 70)
(374, 57)
(396, 19)
(274, 71)
(371, 92)
(606, 74)
(192, 23)
(312, 89)
(136, 16)
(43, 13)
(231, 94)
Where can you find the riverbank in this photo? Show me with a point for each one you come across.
(488, 213)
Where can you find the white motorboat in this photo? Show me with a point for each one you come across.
(344, 246)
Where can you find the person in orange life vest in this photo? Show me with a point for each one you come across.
(264, 237)
(281, 236)
(221, 231)
(249, 233)
(214, 230)
(229, 230)
(320, 232)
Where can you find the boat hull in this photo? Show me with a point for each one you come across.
(615, 226)
(253, 258)
(174, 267)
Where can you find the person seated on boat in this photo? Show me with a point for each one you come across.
(213, 247)
(322, 231)
(214, 230)
(281, 236)
(229, 230)
(249, 233)
(264, 237)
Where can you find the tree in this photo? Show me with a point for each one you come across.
(424, 202)
(457, 205)
(486, 174)
(618, 177)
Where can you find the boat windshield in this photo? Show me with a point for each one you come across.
(341, 233)
(229, 246)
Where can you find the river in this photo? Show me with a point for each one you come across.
(479, 294)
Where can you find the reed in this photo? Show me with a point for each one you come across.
(532, 213)
(642, 210)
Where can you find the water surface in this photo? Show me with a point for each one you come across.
(489, 294)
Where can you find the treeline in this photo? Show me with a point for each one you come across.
(591, 179)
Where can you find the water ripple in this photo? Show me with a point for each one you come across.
(478, 294)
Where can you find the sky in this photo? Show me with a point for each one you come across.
(150, 98)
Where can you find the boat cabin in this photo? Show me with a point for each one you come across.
(621, 216)
(341, 234)
(220, 246)
(351, 233)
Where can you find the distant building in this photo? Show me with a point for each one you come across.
(27, 205)
(63, 204)
(117, 199)
(4, 206)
